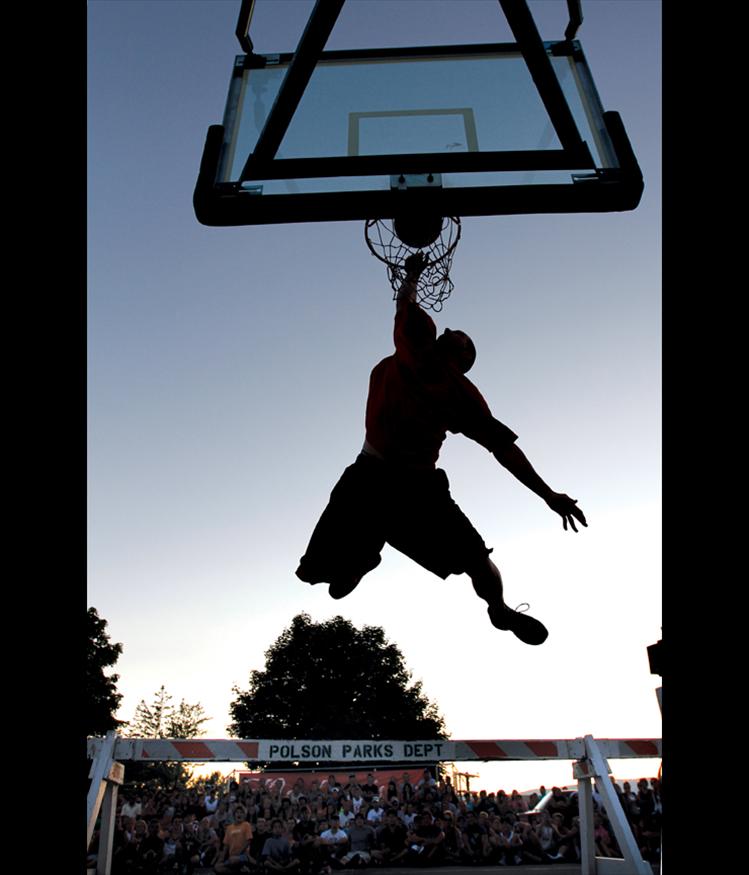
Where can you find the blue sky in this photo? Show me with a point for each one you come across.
(228, 370)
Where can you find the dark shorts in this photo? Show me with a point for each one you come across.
(374, 504)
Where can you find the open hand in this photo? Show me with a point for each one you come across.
(415, 264)
(567, 509)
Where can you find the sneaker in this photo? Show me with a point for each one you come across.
(523, 626)
(341, 588)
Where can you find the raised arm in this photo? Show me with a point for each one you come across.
(516, 462)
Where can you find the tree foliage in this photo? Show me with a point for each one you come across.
(330, 680)
(102, 698)
(161, 719)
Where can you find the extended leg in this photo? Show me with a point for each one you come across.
(487, 583)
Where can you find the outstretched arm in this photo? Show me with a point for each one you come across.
(516, 462)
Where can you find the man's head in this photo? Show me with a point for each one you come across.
(457, 348)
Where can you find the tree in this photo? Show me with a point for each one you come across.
(102, 698)
(330, 680)
(161, 719)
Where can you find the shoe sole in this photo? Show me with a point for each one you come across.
(526, 628)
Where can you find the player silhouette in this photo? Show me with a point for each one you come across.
(394, 493)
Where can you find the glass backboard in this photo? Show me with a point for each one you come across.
(462, 130)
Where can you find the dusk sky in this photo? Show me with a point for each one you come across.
(227, 379)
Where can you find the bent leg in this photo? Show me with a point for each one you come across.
(487, 583)
(347, 540)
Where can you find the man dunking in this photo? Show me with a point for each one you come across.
(394, 493)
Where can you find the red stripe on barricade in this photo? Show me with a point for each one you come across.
(642, 748)
(543, 748)
(248, 747)
(193, 749)
(486, 749)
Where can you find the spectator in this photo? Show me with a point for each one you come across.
(376, 812)
(483, 804)
(629, 801)
(314, 793)
(190, 844)
(510, 845)
(297, 791)
(261, 831)
(569, 841)
(391, 839)
(208, 845)
(369, 788)
(277, 854)
(332, 784)
(405, 789)
(655, 785)
(546, 835)
(352, 782)
(131, 807)
(304, 835)
(648, 837)
(235, 852)
(453, 845)
(476, 842)
(603, 839)
(425, 841)
(174, 851)
(357, 799)
(530, 846)
(517, 803)
(408, 816)
(346, 814)
(361, 837)
(558, 804)
(645, 798)
(391, 793)
(334, 843)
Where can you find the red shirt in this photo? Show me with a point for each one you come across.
(415, 398)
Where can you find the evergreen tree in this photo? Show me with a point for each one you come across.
(102, 698)
(161, 719)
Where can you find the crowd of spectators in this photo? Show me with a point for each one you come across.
(320, 826)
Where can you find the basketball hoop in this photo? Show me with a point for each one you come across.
(393, 240)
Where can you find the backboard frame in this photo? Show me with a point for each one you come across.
(617, 186)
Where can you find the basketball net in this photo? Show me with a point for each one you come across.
(434, 284)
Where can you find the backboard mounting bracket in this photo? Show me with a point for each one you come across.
(404, 181)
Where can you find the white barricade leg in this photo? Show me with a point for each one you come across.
(587, 839)
(99, 772)
(106, 776)
(106, 839)
(632, 864)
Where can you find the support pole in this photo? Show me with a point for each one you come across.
(106, 837)
(106, 776)
(632, 864)
(585, 810)
(99, 771)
